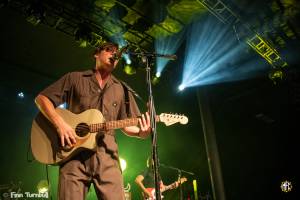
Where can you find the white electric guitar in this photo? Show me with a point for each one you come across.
(45, 142)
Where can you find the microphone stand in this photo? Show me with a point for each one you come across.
(179, 176)
(152, 113)
(145, 58)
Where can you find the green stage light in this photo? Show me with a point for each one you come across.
(130, 70)
(43, 186)
(155, 80)
(123, 164)
(276, 75)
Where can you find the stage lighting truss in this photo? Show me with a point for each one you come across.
(269, 53)
(65, 16)
(85, 36)
(250, 36)
(35, 13)
(220, 10)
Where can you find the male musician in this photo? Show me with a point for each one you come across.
(92, 89)
(146, 182)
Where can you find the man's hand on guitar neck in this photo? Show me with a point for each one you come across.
(145, 125)
(142, 130)
(180, 181)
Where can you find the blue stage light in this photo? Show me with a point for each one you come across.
(181, 87)
(158, 74)
(122, 43)
(127, 59)
(167, 45)
(214, 55)
(21, 95)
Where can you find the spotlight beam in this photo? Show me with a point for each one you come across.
(167, 46)
(213, 55)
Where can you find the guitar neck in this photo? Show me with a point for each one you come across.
(169, 187)
(116, 124)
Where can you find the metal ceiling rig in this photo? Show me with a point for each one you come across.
(256, 41)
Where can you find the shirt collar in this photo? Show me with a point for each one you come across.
(91, 72)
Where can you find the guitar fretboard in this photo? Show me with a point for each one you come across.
(115, 124)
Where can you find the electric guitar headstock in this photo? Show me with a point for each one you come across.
(170, 119)
(182, 180)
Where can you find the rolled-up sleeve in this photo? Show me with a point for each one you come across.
(58, 91)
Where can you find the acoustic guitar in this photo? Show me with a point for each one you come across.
(45, 142)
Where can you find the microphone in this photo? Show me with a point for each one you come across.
(118, 55)
(169, 56)
(166, 56)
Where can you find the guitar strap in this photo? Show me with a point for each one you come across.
(127, 104)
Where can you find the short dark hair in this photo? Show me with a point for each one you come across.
(104, 45)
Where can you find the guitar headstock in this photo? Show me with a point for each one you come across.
(182, 180)
(170, 119)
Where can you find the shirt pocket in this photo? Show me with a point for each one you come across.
(85, 102)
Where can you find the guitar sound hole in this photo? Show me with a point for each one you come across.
(82, 129)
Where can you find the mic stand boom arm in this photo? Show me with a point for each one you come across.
(153, 55)
(179, 176)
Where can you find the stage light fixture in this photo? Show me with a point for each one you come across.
(96, 40)
(118, 39)
(83, 34)
(118, 11)
(142, 25)
(127, 59)
(181, 87)
(158, 74)
(35, 13)
(166, 45)
(160, 11)
(276, 75)
(21, 95)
